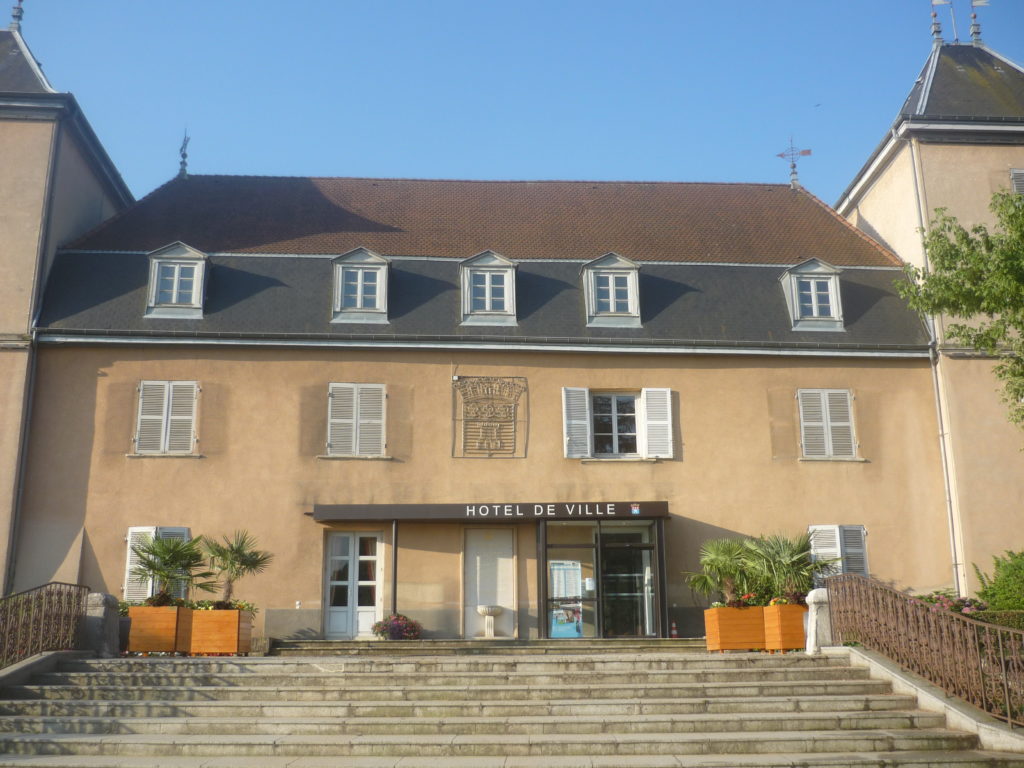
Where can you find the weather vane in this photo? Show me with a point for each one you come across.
(792, 154)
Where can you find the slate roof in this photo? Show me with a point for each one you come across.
(291, 298)
(964, 81)
(17, 73)
(522, 220)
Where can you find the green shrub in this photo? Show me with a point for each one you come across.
(1011, 619)
(1004, 590)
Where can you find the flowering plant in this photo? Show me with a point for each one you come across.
(779, 601)
(943, 601)
(397, 627)
(744, 601)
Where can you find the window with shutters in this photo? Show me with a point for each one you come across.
(176, 282)
(612, 293)
(843, 545)
(1017, 180)
(826, 424)
(617, 425)
(360, 287)
(488, 290)
(166, 418)
(134, 588)
(356, 420)
(811, 290)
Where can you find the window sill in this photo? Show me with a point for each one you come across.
(619, 459)
(352, 457)
(854, 459)
(164, 456)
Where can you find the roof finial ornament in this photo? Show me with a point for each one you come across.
(792, 154)
(936, 29)
(17, 12)
(183, 169)
(975, 24)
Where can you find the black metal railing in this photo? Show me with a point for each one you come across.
(980, 663)
(46, 618)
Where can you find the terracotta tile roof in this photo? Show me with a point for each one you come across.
(672, 222)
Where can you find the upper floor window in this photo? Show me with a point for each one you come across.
(176, 282)
(360, 287)
(617, 425)
(488, 290)
(611, 288)
(812, 296)
(356, 419)
(826, 424)
(166, 417)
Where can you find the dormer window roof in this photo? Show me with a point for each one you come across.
(177, 282)
(812, 296)
(611, 290)
(360, 287)
(488, 290)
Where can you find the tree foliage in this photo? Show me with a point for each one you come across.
(978, 276)
(171, 564)
(1004, 589)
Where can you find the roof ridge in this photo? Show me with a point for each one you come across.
(891, 255)
(116, 217)
(486, 181)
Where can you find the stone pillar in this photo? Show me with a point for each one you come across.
(100, 625)
(819, 622)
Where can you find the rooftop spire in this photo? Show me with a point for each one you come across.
(975, 24)
(183, 169)
(16, 14)
(936, 29)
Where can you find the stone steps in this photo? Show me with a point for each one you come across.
(659, 707)
(482, 647)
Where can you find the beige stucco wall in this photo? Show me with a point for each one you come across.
(261, 425)
(887, 208)
(25, 148)
(989, 456)
(963, 178)
(13, 373)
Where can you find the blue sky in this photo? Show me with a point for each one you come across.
(485, 89)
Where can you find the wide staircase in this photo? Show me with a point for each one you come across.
(542, 705)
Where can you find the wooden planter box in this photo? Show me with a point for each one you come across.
(221, 632)
(734, 629)
(784, 627)
(159, 630)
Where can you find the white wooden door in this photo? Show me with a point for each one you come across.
(352, 584)
(489, 575)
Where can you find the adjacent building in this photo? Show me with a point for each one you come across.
(957, 140)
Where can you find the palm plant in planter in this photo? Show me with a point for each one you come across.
(785, 566)
(164, 623)
(227, 626)
(739, 624)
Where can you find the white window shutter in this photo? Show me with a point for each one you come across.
(840, 424)
(371, 400)
(137, 589)
(149, 436)
(181, 417)
(341, 420)
(852, 539)
(657, 415)
(825, 546)
(182, 534)
(812, 423)
(1017, 180)
(576, 422)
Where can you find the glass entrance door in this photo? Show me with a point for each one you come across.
(602, 579)
(352, 585)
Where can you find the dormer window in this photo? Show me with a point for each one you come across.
(488, 290)
(360, 287)
(612, 294)
(812, 295)
(176, 282)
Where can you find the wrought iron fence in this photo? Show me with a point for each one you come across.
(980, 663)
(42, 619)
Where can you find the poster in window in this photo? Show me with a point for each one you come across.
(566, 579)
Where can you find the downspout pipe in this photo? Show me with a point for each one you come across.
(959, 578)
